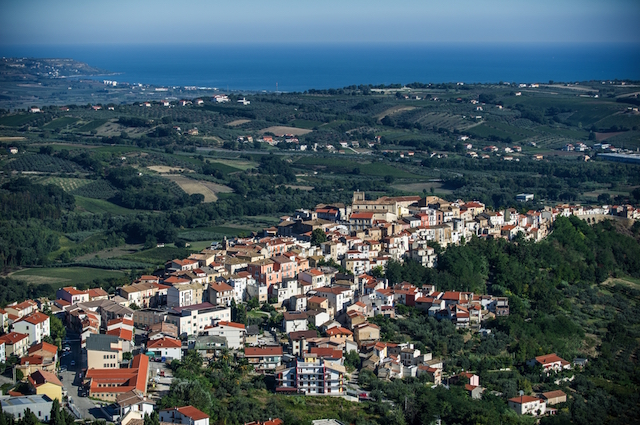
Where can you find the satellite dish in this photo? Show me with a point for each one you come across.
(521, 393)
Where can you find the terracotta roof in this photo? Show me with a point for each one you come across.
(553, 394)
(73, 291)
(339, 330)
(220, 287)
(550, 358)
(362, 215)
(524, 399)
(121, 333)
(326, 352)
(41, 377)
(13, 337)
(232, 324)
(191, 413)
(164, 343)
(97, 292)
(316, 299)
(50, 348)
(35, 318)
(263, 351)
(37, 360)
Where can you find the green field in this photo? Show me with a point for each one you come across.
(60, 123)
(158, 255)
(92, 125)
(64, 276)
(307, 124)
(100, 206)
(345, 166)
(17, 120)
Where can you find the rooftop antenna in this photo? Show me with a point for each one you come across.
(276, 86)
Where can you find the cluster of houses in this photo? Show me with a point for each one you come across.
(326, 312)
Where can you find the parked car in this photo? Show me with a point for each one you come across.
(73, 363)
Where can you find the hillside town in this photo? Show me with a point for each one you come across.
(319, 270)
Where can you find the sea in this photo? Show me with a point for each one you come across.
(297, 67)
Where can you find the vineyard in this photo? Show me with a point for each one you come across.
(67, 184)
(113, 264)
(61, 123)
(43, 164)
(98, 189)
(92, 125)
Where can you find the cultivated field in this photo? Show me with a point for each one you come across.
(237, 123)
(208, 189)
(165, 169)
(279, 130)
(63, 276)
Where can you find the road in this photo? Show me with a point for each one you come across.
(71, 379)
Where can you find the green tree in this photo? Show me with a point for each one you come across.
(318, 236)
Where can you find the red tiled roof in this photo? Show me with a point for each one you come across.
(191, 413)
(263, 351)
(338, 330)
(232, 324)
(35, 318)
(164, 343)
(13, 337)
(550, 358)
(50, 348)
(41, 377)
(524, 399)
(326, 352)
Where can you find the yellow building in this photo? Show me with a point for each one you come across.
(46, 383)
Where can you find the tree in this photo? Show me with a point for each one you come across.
(55, 415)
(318, 236)
(152, 419)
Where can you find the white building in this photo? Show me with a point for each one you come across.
(186, 415)
(525, 405)
(233, 332)
(169, 348)
(193, 320)
(36, 325)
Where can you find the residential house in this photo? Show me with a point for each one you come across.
(220, 293)
(72, 295)
(550, 362)
(298, 341)
(134, 401)
(193, 319)
(165, 348)
(264, 359)
(186, 415)
(36, 325)
(525, 404)
(294, 321)
(366, 332)
(46, 383)
(185, 294)
(233, 332)
(16, 344)
(554, 397)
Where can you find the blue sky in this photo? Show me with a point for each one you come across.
(327, 21)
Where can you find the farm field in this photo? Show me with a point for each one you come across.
(279, 130)
(236, 123)
(100, 206)
(208, 189)
(64, 276)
